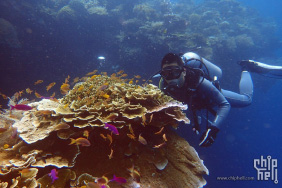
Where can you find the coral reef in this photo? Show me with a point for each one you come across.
(103, 127)
(98, 10)
(157, 26)
(66, 13)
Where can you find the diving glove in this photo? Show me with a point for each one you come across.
(208, 137)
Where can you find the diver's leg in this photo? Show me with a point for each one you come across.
(246, 92)
(261, 68)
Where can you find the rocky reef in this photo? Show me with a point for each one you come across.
(209, 28)
(105, 132)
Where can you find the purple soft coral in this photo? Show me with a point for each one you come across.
(53, 174)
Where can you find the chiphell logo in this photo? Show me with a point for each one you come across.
(266, 169)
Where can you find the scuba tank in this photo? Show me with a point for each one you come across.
(193, 60)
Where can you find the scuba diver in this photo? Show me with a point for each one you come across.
(193, 80)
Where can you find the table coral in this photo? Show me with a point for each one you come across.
(128, 126)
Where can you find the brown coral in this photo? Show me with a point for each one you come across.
(135, 111)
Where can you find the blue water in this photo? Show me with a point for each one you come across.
(54, 50)
(253, 131)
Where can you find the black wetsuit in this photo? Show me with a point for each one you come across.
(200, 93)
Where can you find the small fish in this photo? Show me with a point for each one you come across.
(131, 136)
(120, 72)
(142, 140)
(164, 137)
(29, 91)
(53, 95)
(50, 86)
(123, 75)
(111, 154)
(143, 119)
(137, 76)
(80, 141)
(160, 131)
(130, 129)
(103, 136)
(38, 82)
(111, 128)
(119, 180)
(106, 96)
(21, 93)
(21, 107)
(160, 145)
(110, 138)
(93, 77)
(67, 79)
(37, 95)
(80, 88)
(6, 146)
(151, 117)
(54, 175)
(90, 87)
(86, 134)
(91, 73)
(134, 174)
(76, 79)
(4, 96)
(65, 88)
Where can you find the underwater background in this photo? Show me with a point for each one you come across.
(51, 39)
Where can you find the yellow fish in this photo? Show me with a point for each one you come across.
(80, 141)
(50, 86)
(38, 82)
(106, 96)
(142, 140)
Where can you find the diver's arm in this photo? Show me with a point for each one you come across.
(208, 90)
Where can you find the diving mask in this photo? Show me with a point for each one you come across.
(171, 72)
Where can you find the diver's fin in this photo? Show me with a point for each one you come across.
(261, 68)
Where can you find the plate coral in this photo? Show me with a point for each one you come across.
(104, 132)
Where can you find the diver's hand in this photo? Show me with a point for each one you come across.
(196, 129)
(208, 137)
